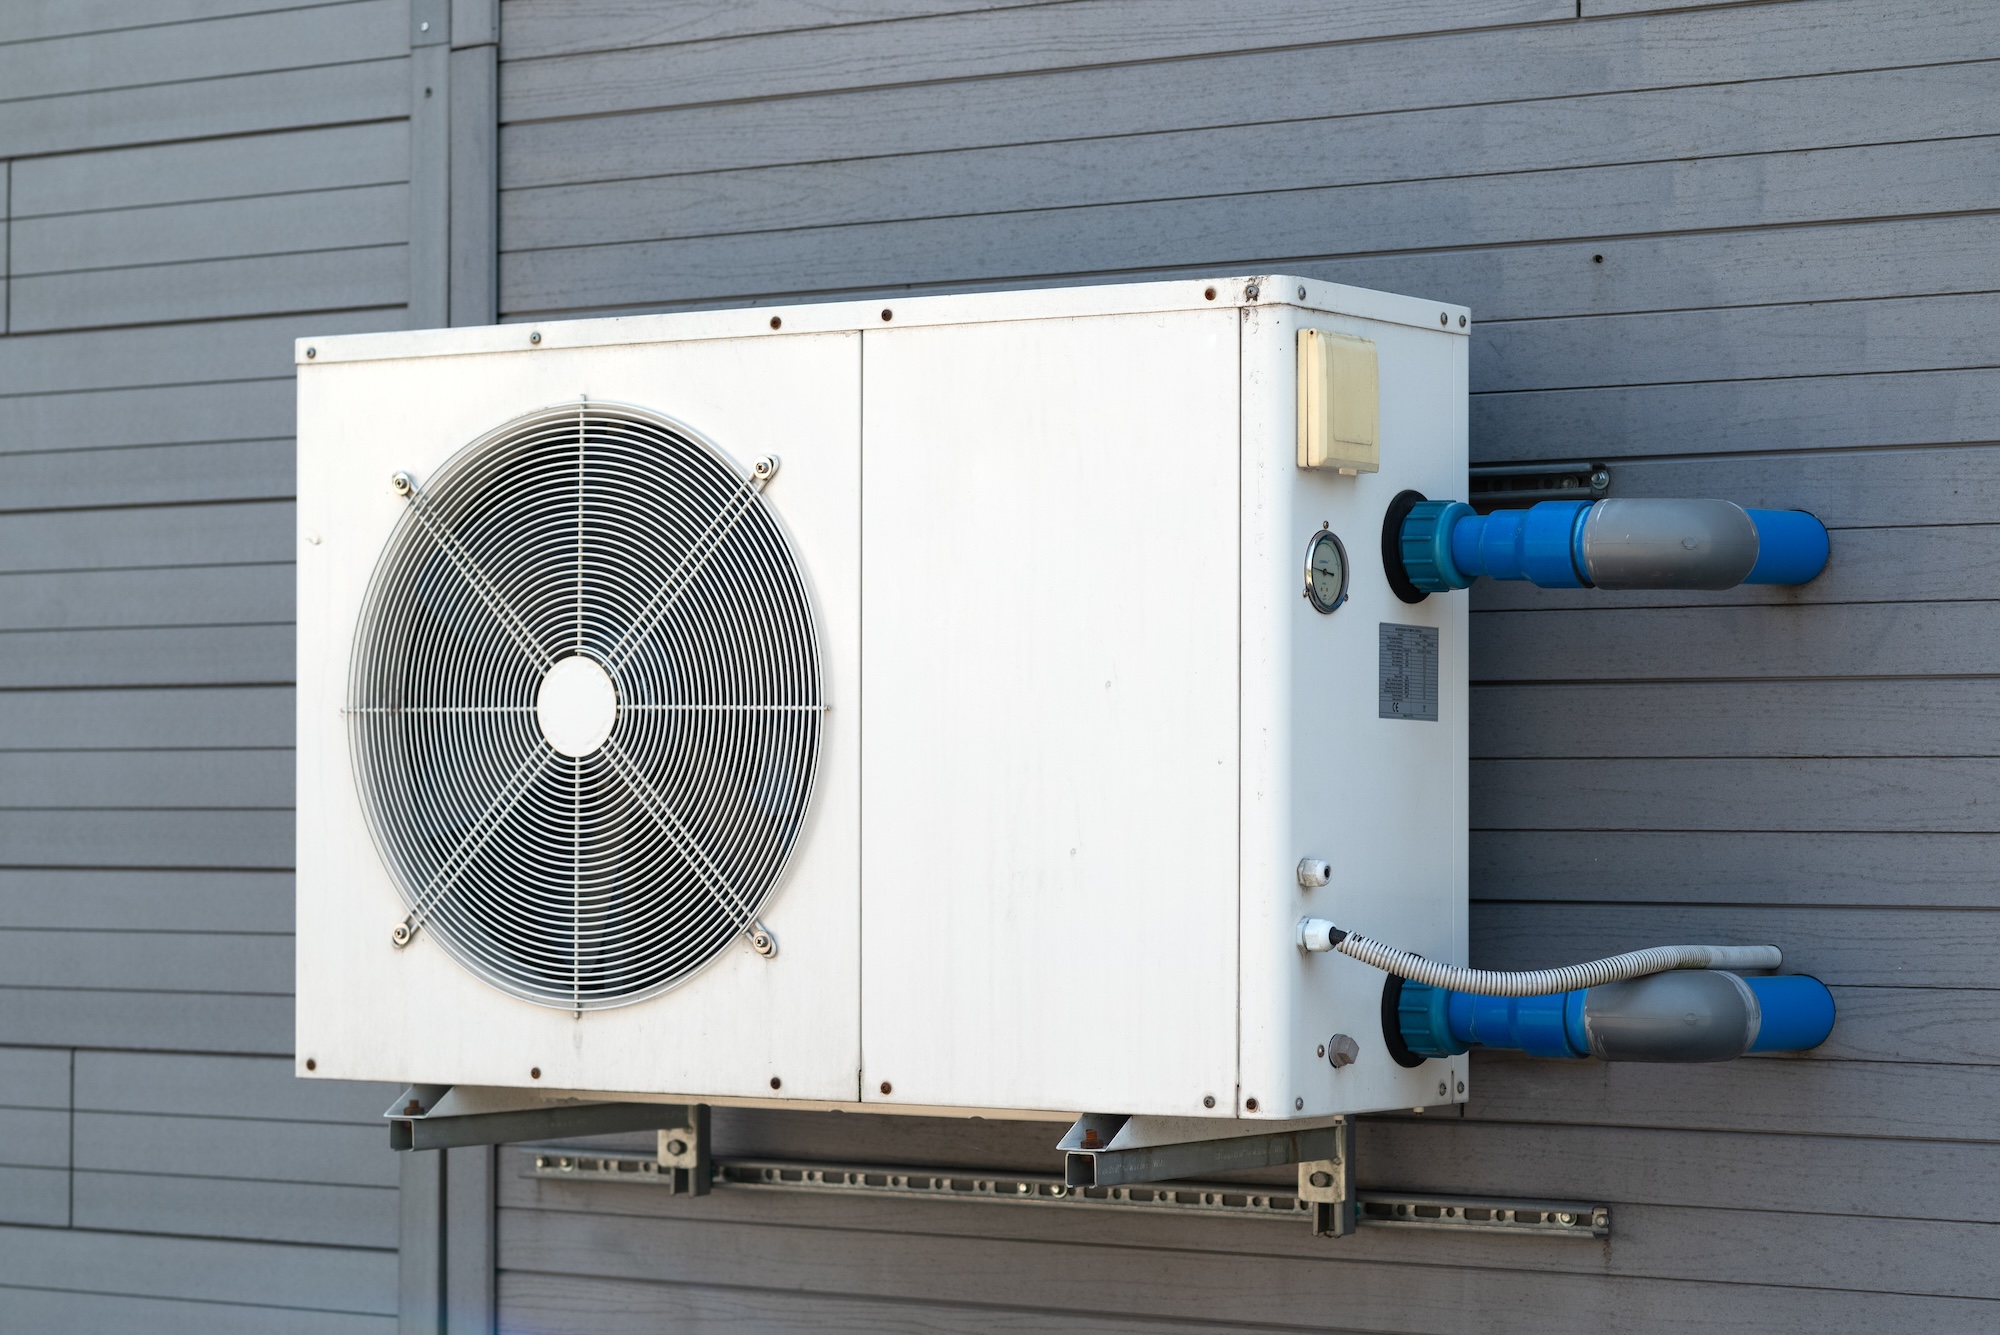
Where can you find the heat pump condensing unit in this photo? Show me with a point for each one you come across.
(940, 708)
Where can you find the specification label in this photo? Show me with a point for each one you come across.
(1409, 685)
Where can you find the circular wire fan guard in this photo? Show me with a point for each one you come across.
(586, 834)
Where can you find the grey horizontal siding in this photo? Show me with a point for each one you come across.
(140, 899)
(1060, 99)
(115, 1314)
(1201, 1286)
(1740, 250)
(204, 1270)
(1812, 867)
(195, 183)
(978, 44)
(177, 1021)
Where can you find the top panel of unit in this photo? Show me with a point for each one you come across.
(1060, 303)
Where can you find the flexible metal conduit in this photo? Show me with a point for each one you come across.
(1319, 934)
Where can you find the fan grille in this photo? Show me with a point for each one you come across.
(598, 879)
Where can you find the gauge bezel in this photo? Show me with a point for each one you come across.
(1327, 535)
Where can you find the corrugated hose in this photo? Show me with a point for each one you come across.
(1318, 934)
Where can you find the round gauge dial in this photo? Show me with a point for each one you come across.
(1326, 572)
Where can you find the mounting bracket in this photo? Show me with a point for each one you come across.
(1109, 1149)
(433, 1117)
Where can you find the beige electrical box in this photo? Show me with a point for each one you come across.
(1337, 402)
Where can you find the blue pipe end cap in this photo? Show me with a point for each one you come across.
(1797, 1013)
(1792, 547)
(1425, 543)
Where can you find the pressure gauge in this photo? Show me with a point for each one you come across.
(1326, 571)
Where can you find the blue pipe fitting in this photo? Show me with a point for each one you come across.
(1426, 545)
(1796, 1013)
(1792, 547)
(1609, 544)
(1538, 544)
(1681, 1016)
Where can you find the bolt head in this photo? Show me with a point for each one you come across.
(677, 1147)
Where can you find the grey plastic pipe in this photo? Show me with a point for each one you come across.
(1319, 934)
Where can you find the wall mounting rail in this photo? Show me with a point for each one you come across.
(1383, 1209)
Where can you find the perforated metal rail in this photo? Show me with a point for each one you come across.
(1382, 1209)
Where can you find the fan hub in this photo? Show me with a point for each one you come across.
(576, 705)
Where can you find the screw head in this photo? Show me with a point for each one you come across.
(776, 1083)
(1321, 1052)
(1461, 322)
(311, 353)
(400, 937)
(535, 337)
(765, 468)
(677, 1147)
(1600, 480)
(776, 322)
(1321, 1179)
(1208, 1100)
(1209, 293)
(1251, 292)
(1298, 1104)
(887, 1087)
(1250, 1105)
(1444, 317)
(887, 314)
(311, 1065)
(1302, 291)
(534, 1073)
(1443, 1089)
(1461, 1086)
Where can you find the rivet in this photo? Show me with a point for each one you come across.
(886, 1087)
(1461, 322)
(311, 353)
(775, 322)
(888, 314)
(1208, 1100)
(1444, 317)
(534, 1073)
(1209, 293)
(776, 1083)
(1250, 1104)
(311, 1065)
(535, 337)
(1298, 1104)
(1302, 291)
